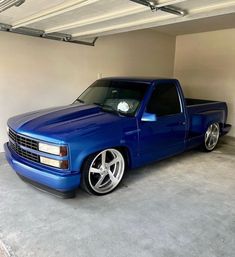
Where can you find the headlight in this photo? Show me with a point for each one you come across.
(7, 130)
(53, 149)
(55, 163)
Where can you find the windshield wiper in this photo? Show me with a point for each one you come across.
(108, 108)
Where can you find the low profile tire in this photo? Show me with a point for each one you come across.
(211, 137)
(102, 172)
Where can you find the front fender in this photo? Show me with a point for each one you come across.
(81, 157)
(121, 135)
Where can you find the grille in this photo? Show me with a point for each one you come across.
(24, 153)
(29, 143)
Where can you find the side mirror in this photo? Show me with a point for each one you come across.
(149, 117)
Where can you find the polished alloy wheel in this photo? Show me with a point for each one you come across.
(106, 171)
(212, 136)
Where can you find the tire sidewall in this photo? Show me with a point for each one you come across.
(204, 143)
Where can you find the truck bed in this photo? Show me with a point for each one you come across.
(191, 102)
(202, 113)
(202, 107)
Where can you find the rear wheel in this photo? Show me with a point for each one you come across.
(211, 137)
(103, 171)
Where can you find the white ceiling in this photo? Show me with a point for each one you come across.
(91, 18)
(225, 21)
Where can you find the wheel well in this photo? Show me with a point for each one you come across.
(124, 151)
(126, 155)
(220, 126)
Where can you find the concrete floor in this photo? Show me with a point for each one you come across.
(180, 207)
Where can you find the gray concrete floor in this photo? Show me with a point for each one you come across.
(183, 206)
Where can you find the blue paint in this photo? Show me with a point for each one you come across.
(87, 128)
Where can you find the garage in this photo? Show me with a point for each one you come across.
(147, 171)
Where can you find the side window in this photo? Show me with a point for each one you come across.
(164, 100)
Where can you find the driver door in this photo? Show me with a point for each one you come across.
(165, 136)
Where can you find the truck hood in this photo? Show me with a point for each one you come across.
(62, 122)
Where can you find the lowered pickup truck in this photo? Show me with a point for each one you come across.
(117, 123)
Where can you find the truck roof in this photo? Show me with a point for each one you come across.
(139, 79)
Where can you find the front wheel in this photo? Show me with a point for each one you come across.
(211, 137)
(103, 171)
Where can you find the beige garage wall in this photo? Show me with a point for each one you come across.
(37, 73)
(205, 65)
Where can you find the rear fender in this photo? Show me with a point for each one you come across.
(201, 121)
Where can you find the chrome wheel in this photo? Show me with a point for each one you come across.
(212, 136)
(106, 171)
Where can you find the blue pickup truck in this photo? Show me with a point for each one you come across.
(116, 124)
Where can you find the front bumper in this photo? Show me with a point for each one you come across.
(62, 185)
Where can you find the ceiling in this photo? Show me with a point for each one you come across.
(84, 19)
(226, 21)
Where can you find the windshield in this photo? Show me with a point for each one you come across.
(123, 97)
